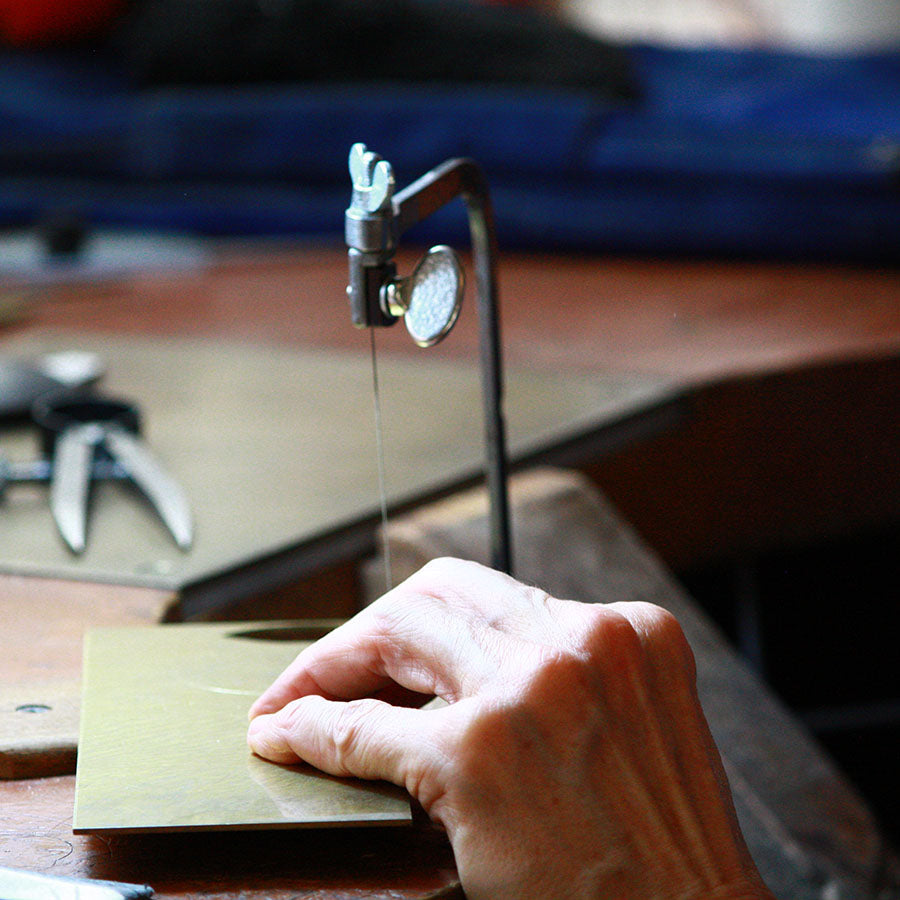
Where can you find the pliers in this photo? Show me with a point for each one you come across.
(88, 436)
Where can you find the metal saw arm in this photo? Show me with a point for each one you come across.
(429, 300)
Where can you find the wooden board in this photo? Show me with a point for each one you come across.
(42, 622)
(162, 744)
(335, 863)
(38, 725)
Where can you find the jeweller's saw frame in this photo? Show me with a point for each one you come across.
(374, 222)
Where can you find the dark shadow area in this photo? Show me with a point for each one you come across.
(820, 623)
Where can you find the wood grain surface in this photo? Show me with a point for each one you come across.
(377, 864)
(699, 320)
(42, 623)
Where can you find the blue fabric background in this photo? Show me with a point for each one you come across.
(728, 152)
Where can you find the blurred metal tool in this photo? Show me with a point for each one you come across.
(40, 471)
(429, 301)
(18, 884)
(22, 382)
(88, 436)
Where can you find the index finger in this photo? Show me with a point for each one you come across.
(312, 672)
(429, 635)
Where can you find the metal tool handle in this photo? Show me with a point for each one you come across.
(58, 411)
(40, 471)
(465, 178)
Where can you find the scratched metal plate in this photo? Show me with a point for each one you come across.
(163, 747)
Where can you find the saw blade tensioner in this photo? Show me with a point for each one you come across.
(429, 300)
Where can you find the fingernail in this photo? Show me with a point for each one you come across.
(262, 739)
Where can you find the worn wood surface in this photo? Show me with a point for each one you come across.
(36, 812)
(809, 832)
(42, 623)
(38, 727)
(345, 864)
(689, 319)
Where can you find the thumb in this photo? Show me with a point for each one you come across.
(365, 738)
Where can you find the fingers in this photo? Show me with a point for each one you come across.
(447, 630)
(453, 628)
(340, 665)
(418, 649)
(362, 738)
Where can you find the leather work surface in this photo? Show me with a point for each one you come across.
(163, 736)
(275, 448)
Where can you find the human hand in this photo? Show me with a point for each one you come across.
(572, 761)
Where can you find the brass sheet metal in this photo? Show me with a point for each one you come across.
(163, 746)
(275, 447)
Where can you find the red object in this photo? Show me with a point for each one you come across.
(29, 23)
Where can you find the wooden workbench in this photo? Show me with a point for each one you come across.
(783, 362)
(755, 347)
(808, 831)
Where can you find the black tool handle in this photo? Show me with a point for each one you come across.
(53, 413)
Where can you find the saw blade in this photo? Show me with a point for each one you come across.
(380, 459)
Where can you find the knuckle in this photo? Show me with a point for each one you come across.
(658, 623)
(535, 598)
(610, 635)
(348, 729)
(562, 677)
(439, 571)
(429, 585)
(291, 719)
(665, 626)
(666, 638)
(661, 638)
